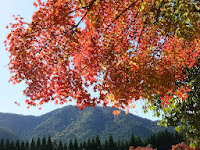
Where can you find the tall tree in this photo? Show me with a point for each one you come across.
(65, 147)
(84, 144)
(70, 147)
(105, 146)
(60, 145)
(7, 145)
(38, 144)
(12, 145)
(22, 145)
(17, 145)
(98, 143)
(49, 143)
(32, 145)
(44, 143)
(75, 145)
(54, 145)
(27, 145)
(132, 140)
(93, 144)
(89, 145)
(111, 144)
(2, 144)
(126, 50)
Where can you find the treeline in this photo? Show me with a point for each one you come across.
(162, 141)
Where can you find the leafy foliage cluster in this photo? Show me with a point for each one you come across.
(94, 144)
(183, 114)
(126, 50)
(182, 146)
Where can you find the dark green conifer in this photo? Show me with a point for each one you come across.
(89, 145)
(75, 145)
(60, 145)
(32, 146)
(27, 145)
(12, 146)
(98, 143)
(17, 145)
(44, 143)
(132, 141)
(2, 146)
(105, 146)
(38, 144)
(49, 143)
(65, 146)
(81, 146)
(70, 147)
(7, 146)
(138, 142)
(84, 145)
(54, 145)
(22, 145)
(111, 144)
(122, 147)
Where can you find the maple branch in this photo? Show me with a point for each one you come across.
(120, 15)
(127, 29)
(85, 14)
(140, 35)
(130, 25)
(73, 27)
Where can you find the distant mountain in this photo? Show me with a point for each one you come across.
(70, 122)
(7, 134)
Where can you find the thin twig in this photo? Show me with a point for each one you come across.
(120, 15)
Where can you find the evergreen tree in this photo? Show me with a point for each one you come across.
(38, 144)
(93, 144)
(32, 146)
(22, 145)
(54, 145)
(111, 144)
(2, 147)
(118, 144)
(12, 145)
(138, 142)
(27, 145)
(81, 146)
(105, 146)
(132, 141)
(98, 143)
(152, 140)
(89, 145)
(126, 145)
(70, 147)
(60, 145)
(84, 145)
(122, 147)
(75, 145)
(17, 145)
(65, 146)
(44, 143)
(7, 146)
(49, 143)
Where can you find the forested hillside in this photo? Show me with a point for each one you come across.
(70, 123)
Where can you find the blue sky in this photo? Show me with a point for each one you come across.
(9, 93)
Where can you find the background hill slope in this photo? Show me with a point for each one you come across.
(70, 122)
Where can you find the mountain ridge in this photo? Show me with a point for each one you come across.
(70, 122)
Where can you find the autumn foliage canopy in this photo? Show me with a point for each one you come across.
(123, 50)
